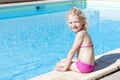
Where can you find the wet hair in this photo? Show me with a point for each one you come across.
(80, 14)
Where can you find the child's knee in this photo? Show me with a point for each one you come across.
(73, 67)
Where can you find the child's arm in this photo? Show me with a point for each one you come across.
(77, 42)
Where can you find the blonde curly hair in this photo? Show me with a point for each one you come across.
(80, 14)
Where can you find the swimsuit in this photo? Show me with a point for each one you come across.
(84, 67)
(86, 46)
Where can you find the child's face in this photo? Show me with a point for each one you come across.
(74, 23)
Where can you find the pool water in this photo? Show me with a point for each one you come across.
(31, 45)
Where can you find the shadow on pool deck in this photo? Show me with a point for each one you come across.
(108, 59)
(105, 64)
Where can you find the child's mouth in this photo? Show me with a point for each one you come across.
(74, 28)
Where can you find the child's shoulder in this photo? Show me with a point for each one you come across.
(82, 33)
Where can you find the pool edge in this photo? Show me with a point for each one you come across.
(55, 75)
(29, 3)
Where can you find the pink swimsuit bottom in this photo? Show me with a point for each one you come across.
(84, 68)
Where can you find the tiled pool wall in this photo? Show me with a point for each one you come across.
(43, 7)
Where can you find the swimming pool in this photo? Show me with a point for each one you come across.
(31, 45)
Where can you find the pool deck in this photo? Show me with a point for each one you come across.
(107, 68)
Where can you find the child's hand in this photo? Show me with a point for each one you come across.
(60, 66)
(63, 69)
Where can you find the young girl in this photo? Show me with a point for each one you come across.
(82, 45)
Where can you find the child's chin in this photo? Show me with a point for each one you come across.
(75, 30)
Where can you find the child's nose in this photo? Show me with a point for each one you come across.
(73, 24)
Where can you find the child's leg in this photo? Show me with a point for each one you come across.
(73, 60)
(60, 65)
(73, 67)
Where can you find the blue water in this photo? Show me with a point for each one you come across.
(31, 45)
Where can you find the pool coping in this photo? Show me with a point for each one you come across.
(104, 66)
(29, 3)
(103, 4)
(23, 9)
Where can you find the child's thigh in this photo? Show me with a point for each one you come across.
(61, 63)
(73, 67)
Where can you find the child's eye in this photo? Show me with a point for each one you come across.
(77, 21)
(70, 22)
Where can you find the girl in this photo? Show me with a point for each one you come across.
(82, 45)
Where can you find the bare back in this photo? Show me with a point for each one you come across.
(86, 50)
